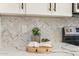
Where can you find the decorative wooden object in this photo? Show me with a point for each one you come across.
(31, 49)
(40, 49)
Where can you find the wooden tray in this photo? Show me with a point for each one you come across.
(39, 49)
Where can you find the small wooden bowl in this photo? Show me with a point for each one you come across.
(41, 50)
(32, 49)
(44, 49)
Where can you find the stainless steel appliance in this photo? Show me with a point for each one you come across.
(75, 7)
(71, 35)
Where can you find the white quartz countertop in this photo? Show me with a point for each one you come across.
(63, 50)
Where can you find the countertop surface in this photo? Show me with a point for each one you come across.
(63, 50)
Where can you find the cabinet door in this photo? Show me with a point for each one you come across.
(62, 9)
(38, 8)
(11, 8)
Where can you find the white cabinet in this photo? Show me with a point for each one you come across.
(38, 8)
(11, 8)
(49, 9)
(62, 9)
(56, 9)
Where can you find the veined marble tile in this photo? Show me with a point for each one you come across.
(0, 32)
(16, 31)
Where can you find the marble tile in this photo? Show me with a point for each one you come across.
(0, 32)
(16, 31)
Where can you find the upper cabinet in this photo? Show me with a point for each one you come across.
(61, 9)
(17, 8)
(53, 9)
(38, 8)
(49, 9)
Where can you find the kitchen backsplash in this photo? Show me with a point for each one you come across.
(16, 31)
